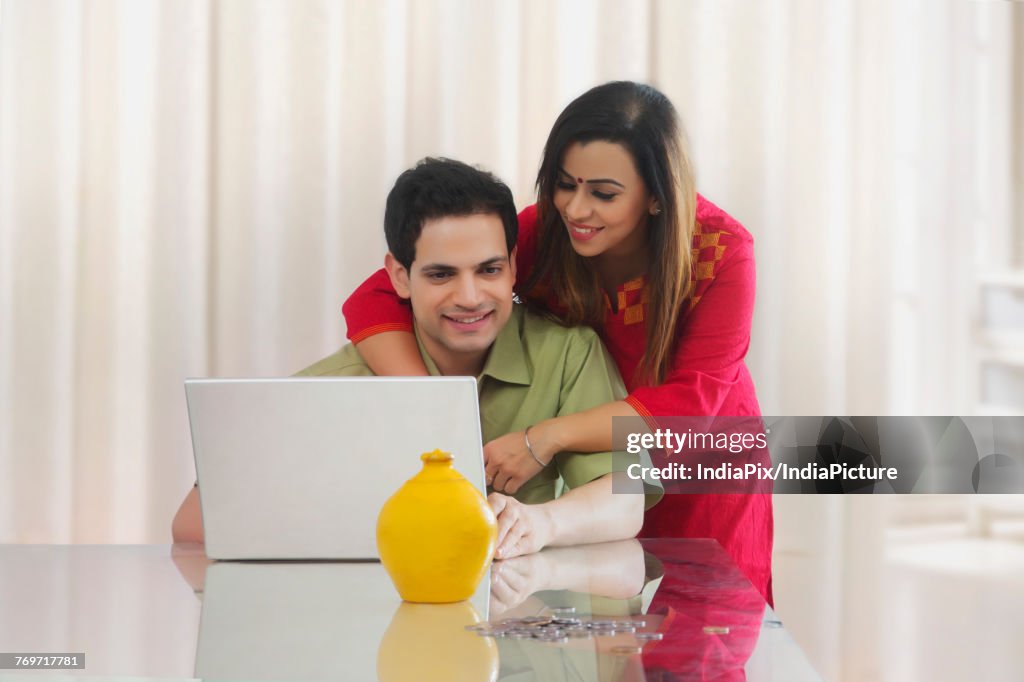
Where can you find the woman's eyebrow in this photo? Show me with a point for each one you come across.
(595, 181)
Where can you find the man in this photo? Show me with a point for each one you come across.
(451, 232)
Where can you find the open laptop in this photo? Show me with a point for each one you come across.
(299, 468)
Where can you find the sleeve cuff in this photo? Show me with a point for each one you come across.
(642, 410)
(373, 330)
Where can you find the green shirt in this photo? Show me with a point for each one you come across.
(535, 370)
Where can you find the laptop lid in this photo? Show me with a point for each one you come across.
(299, 468)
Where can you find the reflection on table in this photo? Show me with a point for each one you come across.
(147, 612)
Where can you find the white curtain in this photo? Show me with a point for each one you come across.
(191, 188)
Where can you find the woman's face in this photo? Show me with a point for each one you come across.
(602, 200)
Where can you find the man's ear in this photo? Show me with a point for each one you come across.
(512, 261)
(398, 274)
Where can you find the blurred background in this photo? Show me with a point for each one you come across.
(192, 187)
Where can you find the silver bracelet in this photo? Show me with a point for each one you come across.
(529, 448)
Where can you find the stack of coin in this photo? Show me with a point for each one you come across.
(561, 626)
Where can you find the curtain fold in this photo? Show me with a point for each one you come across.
(191, 188)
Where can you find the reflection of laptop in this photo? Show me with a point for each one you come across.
(303, 621)
(299, 468)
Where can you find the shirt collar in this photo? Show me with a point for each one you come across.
(507, 360)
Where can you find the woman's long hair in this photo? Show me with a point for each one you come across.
(643, 121)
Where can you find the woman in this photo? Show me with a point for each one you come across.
(620, 240)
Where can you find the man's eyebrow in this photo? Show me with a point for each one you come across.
(437, 266)
(594, 181)
(434, 267)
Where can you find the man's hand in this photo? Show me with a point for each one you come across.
(522, 528)
(508, 464)
(608, 569)
(515, 580)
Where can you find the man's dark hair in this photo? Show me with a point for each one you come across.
(438, 188)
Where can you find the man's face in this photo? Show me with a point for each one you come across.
(460, 287)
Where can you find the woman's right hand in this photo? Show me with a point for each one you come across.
(508, 463)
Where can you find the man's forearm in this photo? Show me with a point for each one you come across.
(608, 569)
(592, 513)
(188, 522)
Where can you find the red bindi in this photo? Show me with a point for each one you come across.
(579, 180)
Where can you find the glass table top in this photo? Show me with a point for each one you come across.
(634, 610)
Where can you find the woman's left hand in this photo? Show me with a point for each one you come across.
(508, 464)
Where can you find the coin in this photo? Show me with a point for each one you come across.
(536, 620)
(715, 630)
(626, 650)
(562, 609)
(649, 636)
(549, 632)
(554, 640)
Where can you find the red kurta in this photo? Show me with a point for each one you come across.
(707, 376)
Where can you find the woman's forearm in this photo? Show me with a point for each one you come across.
(393, 354)
(587, 431)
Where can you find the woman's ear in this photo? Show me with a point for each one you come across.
(653, 207)
(398, 274)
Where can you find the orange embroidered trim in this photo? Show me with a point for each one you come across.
(706, 253)
(708, 239)
(643, 412)
(704, 269)
(634, 314)
(380, 328)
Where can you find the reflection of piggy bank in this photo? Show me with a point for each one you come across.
(436, 534)
(427, 642)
